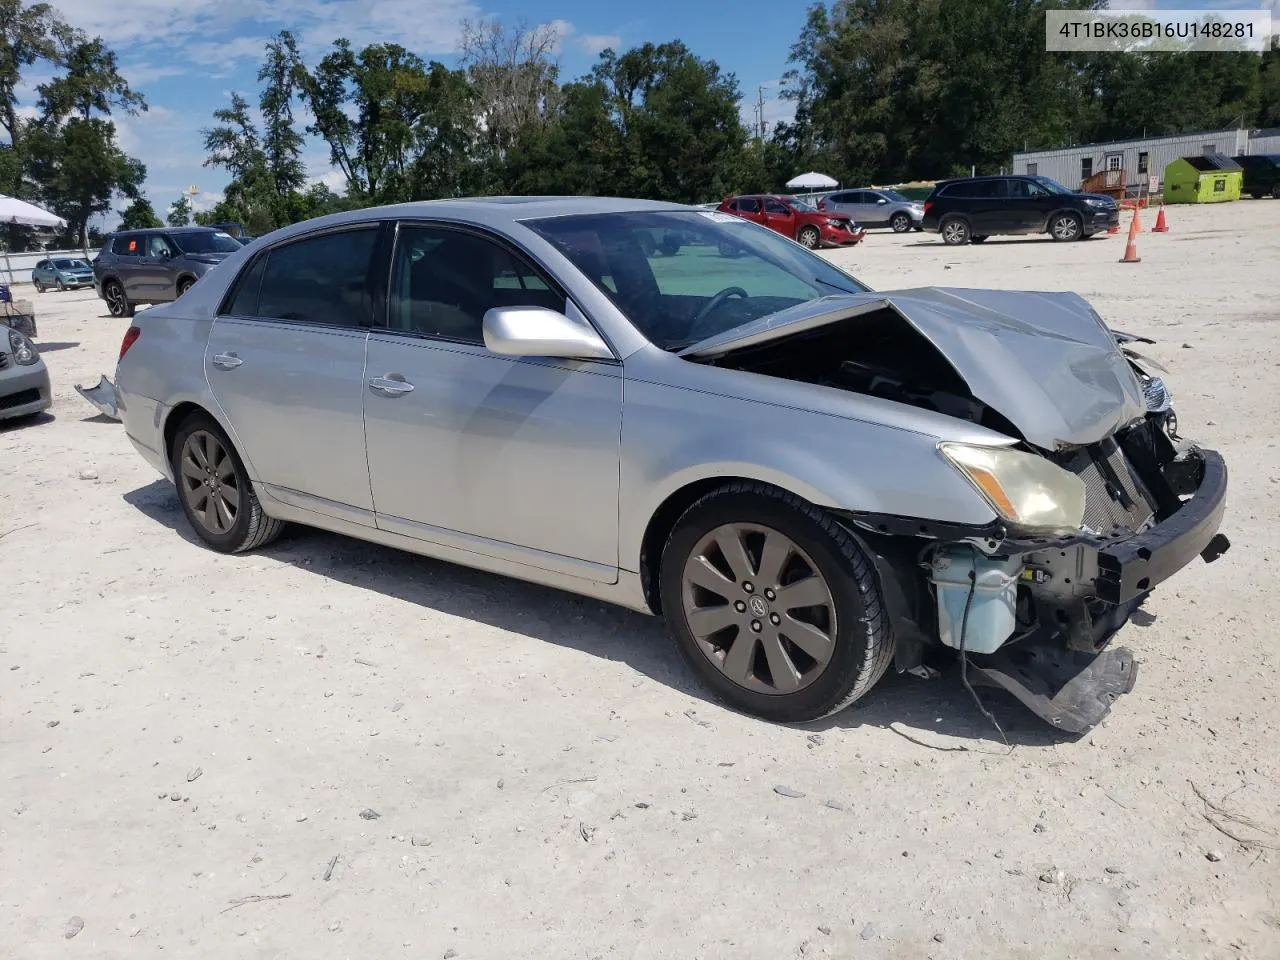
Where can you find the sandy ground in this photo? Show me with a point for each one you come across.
(331, 749)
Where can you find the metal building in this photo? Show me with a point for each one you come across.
(1140, 158)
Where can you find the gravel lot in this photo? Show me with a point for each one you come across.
(331, 749)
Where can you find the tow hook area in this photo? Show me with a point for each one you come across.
(1071, 689)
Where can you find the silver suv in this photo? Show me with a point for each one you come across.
(875, 208)
(811, 481)
(156, 265)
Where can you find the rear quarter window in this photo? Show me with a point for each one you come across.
(127, 245)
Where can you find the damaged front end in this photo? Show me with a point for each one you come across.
(1097, 498)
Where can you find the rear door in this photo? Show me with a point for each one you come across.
(984, 203)
(285, 362)
(749, 208)
(153, 278)
(128, 249)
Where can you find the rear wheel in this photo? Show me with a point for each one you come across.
(184, 286)
(216, 493)
(39, 287)
(118, 304)
(773, 604)
(955, 231)
(1065, 227)
(900, 222)
(808, 237)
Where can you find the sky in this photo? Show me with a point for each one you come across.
(187, 56)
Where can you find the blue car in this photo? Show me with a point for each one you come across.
(64, 273)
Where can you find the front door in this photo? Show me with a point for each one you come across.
(779, 217)
(870, 208)
(286, 365)
(153, 277)
(504, 456)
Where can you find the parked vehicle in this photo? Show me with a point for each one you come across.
(970, 209)
(234, 230)
(156, 265)
(795, 218)
(62, 273)
(1261, 174)
(875, 208)
(808, 479)
(24, 379)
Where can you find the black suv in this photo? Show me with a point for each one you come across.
(157, 265)
(974, 208)
(1261, 174)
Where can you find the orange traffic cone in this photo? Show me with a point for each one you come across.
(1131, 248)
(1161, 226)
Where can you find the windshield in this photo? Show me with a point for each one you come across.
(71, 264)
(1053, 186)
(681, 277)
(211, 242)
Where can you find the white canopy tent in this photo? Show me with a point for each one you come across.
(13, 210)
(812, 181)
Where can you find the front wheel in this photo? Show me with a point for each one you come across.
(39, 287)
(808, 237)
(955, 232)
(1066, 227)
(773, 604)
(900, 222)
(216, 493)
(61, 286)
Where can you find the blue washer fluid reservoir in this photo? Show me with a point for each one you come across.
(995, 594)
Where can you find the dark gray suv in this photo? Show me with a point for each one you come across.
(157, 265)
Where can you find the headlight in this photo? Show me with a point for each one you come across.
(24, 351)
(1095, 202)
(1023, 488)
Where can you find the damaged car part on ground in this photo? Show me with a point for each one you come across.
(812, 481)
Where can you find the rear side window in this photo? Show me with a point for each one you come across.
(748, 205)
(127, 245)
(322, 279)
(979, 189)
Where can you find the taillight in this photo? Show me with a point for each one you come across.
(927, 205)
(130, 338)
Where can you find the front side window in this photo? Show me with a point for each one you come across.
(202, 242)
(158, 246)
(725, 273)
(445, 280)
(773, 206)
(323, 279)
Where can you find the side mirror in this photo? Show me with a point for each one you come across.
(882, 200)
(540, 332)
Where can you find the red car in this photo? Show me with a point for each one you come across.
(795, 218)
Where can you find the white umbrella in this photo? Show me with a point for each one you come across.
(811, 181)
(13, 210)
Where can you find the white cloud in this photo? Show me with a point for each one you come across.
(596, 43)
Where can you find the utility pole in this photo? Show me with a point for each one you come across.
(760, 113)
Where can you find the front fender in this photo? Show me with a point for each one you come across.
(674, 437)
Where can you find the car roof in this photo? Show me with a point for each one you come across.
(151, 230)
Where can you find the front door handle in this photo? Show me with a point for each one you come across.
(227, 361)
(390, 386)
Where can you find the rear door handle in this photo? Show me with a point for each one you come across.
(227, 361)
(390, 386)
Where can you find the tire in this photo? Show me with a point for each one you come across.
(39, 287)
(809, 237)
(851, 632)
(955, 231)
(977, 238)
(1275, 191)
(900, 222)
(118, 304)
(1065, 227)
(242, 525)
(184, 286)
(61, 287)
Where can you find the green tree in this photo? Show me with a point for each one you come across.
(283, 74)
(139, 215)
(1269, 88)
(179, 212)
(26, 38)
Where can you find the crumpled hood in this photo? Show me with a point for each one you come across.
(1045, 361)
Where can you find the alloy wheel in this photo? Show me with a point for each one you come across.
(808, 237)
(116, 303)
(209, 482)
(1066, 228)
(901, 223)
(955, 231)
(758, 608)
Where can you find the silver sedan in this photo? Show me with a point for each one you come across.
(684, 413)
